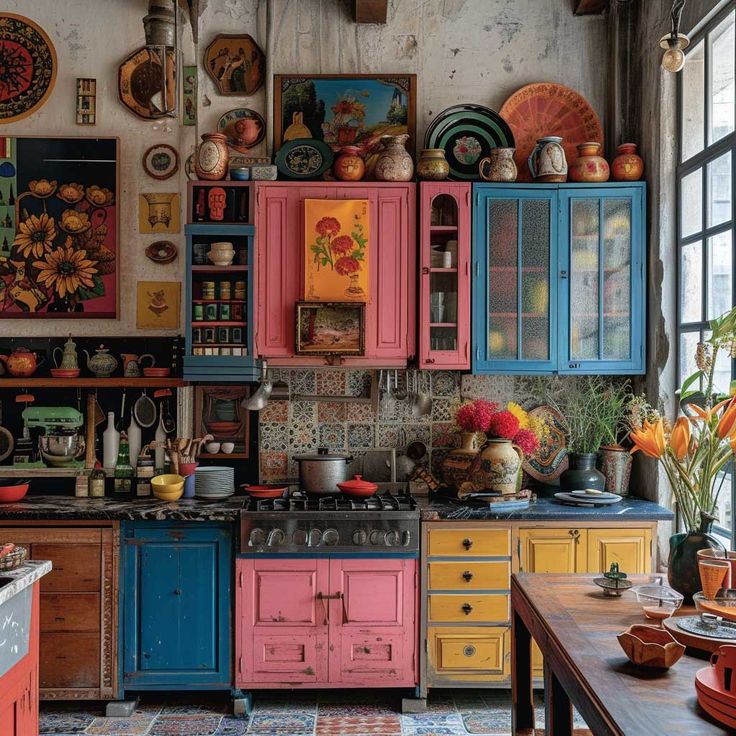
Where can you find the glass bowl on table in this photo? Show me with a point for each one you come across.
(723, 604)
(658, 602)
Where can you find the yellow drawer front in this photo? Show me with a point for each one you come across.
(469, 654)
(469, 575)
(470, 608)
(470, 542)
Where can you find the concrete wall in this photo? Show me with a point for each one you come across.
(462, 51)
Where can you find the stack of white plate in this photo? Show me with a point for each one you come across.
(214, 481)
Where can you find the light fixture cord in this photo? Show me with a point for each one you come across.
(677, 7)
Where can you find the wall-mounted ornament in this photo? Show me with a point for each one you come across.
(243, 128)
(330, 328)
(28, 64)
(158, 305)
(162, 252)
(161, 161)
(236, 64)
(189, 95)
(86, 101)
(159, 212)
(140, 83)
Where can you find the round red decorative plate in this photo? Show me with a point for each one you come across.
(542, 109)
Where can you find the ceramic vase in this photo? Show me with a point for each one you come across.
(499, 166)
(589, 167)
(394, 162)
(458, 462)
(432, 165)
(498, 467)
(582, 473)
(547, 162)
(628, 165)
(615, 464)
(110, 443)
(212, 159)
(349, 165)
(682, 566)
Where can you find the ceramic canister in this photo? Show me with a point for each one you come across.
(432, 164)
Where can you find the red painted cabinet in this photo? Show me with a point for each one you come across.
(390, 319)
(323, 622)
(444, 292)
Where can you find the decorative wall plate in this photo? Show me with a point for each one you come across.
(550, 461)
(236, 64)
(28, 64)
(161, 161)
(139, 83)
(161, 252)
(243, 127)
(306, 158)
(543, 109)
(467, 133)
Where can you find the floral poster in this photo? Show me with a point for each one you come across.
(336, 263)
(58, 228)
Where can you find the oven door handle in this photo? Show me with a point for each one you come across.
(324, 598)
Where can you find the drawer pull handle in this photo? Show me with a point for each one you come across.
(467, 608)
(467, 543)
(469, 650)
(467, 576)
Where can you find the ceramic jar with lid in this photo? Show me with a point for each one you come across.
(349, 165)
(628, 165)
(589, 167)
(432, 165)
(213, 157)
(547, 162)
(394, 163)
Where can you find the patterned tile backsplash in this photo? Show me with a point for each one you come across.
(287, 428)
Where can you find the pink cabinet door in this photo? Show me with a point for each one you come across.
(373, 614)
(444, 299)
(281, 631)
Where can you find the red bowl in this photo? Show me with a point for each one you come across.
(157, 372)
(65, 372)
(264, 491)
(11, 494)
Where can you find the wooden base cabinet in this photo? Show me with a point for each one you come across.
(78, 608)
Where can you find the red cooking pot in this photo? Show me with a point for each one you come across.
(358, 487)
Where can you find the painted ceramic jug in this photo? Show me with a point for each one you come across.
(499, 166)
(69, 360)
(102, 364)
(211, 161)
(21, 363)
(132, 364)
(589, 166)
(457, 464)
(498, 467)
(547, 162)
(394, 162)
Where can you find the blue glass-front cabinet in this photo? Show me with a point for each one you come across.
(559, 278)
(175, 606)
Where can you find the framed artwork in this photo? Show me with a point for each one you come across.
(59, 228)
(336, 236)
(236, 64)
(86, 101)
(161, 161)
(159, 212)
(218, 411)
(28, 63)
(140, 83)
(345, 109)
(158, 305)
(330, 328)
(189, 95)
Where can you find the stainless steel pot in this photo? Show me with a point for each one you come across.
(60, 445)
(321, 472)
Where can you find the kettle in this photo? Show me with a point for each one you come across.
(132, 364)
(102, 364)
(68, 355)
(21, 363)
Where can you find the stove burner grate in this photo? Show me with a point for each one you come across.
(299, 501)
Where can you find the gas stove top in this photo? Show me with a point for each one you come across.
(298, 524)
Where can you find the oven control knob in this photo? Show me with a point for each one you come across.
(299, 537)
(330, 537)
(405, 538)
(360, 536)
(276, 537)
(391, 538)
(376, 536)
(315, 537)
(257, 537)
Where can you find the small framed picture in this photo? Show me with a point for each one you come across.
(161, 161)
(330, 328)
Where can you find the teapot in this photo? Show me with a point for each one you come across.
(132, 364)
(68, 355)
(102, 364)
(21, 363)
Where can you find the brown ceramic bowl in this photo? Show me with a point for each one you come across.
(650, 646)
(65, 372)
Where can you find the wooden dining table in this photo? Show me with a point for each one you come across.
(575, 626)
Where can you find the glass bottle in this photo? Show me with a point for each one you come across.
(97, 483)
(123, 472)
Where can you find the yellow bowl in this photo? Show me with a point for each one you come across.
(171, 496)
(168, 485)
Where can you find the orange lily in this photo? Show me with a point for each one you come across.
(680, 438)
(650, 439)
(727, 422)
(707, 414)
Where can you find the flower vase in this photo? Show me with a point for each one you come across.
(498, 467)
(582, 473)
(682, 566)
(615, 464)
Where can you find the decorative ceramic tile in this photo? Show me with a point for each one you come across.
(274, 411)
(443, 410)
(330, 383)
(332, 411)
(360, 436)
(190, 725)
(360, 412)
(134, 726)
(355, 710)
(303, 412)
(358, 383)
(358, 725)
(273, 436)
(420, 730)
(303, 437)
(286, 722)
(418, 433)
(445, 434)
(301, 381)
(194, 709)
(387, 435)
(492, 388)
(332, 436)
(65, 722)
(447, 719)
(445, 383)
(234, 726)
(274, 466)
(488, 721)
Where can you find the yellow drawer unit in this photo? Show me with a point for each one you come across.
(469, 653)
(469, 575)
(469, 543)
(469, 608)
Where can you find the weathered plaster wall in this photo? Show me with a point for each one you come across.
(462, 51)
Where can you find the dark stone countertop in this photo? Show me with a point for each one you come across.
(630, 508)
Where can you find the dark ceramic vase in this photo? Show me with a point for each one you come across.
(582, 473)
(682, 567)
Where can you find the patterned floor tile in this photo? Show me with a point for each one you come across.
(358, 725)
(200, 709)
(65, 721)
(185, 725)
(434, 731)
(233, 726)
(287, 722)
(134, 726)
(446, 719)
(355, 710)
(489, 720)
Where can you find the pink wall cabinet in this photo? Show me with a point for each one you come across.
(326, 622)
(390, 322)
(444, 291)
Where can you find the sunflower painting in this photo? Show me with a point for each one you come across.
(58, 228)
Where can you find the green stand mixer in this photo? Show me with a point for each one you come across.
(59, 444)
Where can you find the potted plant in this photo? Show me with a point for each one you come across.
(614, 460)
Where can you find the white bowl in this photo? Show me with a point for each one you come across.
(213, 447)
(221, 246)
(221, 258)
(227, 447)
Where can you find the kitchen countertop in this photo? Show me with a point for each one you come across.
(22, 576)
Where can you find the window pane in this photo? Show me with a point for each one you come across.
(719, 190)
(722, 374)
(722, 81)
(693, 100)
(688, 343)
(691, 203)
(720, 274)
(724, 510)
(691, 283)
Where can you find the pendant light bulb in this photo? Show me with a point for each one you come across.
(673, 59)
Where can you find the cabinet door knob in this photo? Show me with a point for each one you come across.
(177, 591)
(430, 360)
(425, 270)
(467, 543)
(467, 576)
(563, 274)
(467, 608)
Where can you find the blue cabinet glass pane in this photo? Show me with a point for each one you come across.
(503, 264)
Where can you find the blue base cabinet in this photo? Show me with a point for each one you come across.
(176, 606)
(559, 281)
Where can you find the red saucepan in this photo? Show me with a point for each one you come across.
(358, 487)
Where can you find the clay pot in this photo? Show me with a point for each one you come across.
(432, 165)
(589, 166)
(394, 162)
(211, 161)
(628, 165)
(349, 165)
(498, 467)
(247, 131)
(499, 166)
(547, 162)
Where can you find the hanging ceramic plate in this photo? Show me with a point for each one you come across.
(305, 158)
(467, 133)
(161, 161)
(243, 127)
(543, 109)
(162, 251)
(550, 460)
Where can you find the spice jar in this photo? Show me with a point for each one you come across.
(97, 483)
(144, 471)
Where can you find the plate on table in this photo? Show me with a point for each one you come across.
(572, 500)
(304, 158)
(467, 133)
(550, 460)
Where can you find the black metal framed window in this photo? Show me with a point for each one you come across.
(706, 209)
